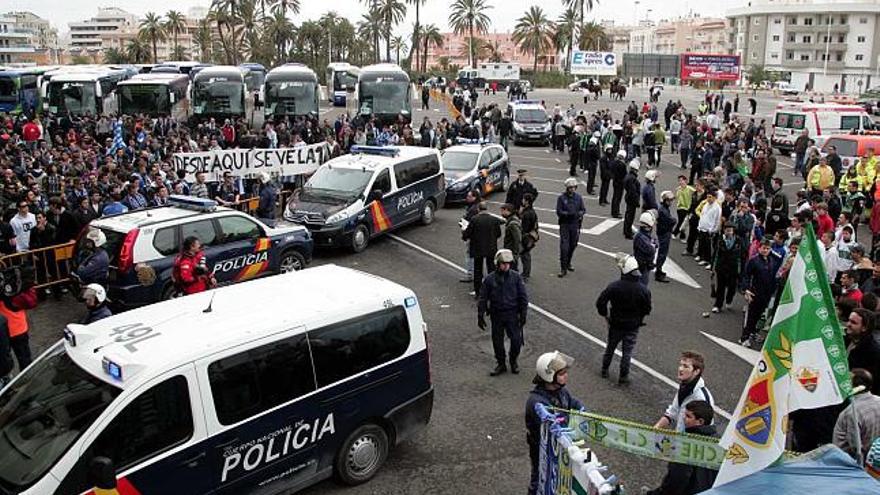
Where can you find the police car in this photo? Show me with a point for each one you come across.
(375, 189)
(143, 244)
(214, 393)
(530, 122)
(469, 166)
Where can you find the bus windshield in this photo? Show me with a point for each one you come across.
(8, 89)
(343, 81)
(43, 414)
(143, 98)
(291, 97)
(74, 97)
(384, 97)
(219, 97)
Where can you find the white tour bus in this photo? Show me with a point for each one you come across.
(291, 90)
(219, 91)
(243, 389)
(80, 93)
(155, 94)
(341, 79)
(821, 120)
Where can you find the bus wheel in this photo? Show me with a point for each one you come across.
(360, 238)
(362, 454)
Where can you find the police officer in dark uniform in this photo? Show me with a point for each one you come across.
(665, 224)
(605, 174)
(630, 302)
(570, 211)
(503, 295)
(618, 176)
(519, 188)
(633, 195)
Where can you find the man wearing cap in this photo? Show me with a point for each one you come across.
(519, 188)
(606, 167)
(266, 206)
(644, 246)
(632, 190)
(664, 227)
(570, 212)
(513, 233)
(591, 162)
(630, 303)
(503, 295)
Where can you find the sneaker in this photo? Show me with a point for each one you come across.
(562, 273)
(570, 268)
(697, 259)
(514, 368)
(472, 293)
(708, 266)
(746, 343)
(715, 309)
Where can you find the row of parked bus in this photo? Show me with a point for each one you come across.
(193, 89)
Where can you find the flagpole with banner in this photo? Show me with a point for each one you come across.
(803, 365)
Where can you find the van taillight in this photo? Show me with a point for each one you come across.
(126, 252)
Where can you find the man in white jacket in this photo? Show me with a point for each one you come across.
(691, 387)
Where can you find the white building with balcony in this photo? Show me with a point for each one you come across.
(819, 45)
(110, 20)
(15, 43)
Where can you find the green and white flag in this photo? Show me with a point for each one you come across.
(803, 365)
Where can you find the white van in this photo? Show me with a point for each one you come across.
(821, 120)
(262, 387)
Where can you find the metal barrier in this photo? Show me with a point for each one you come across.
(52, 265)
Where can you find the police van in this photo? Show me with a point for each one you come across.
(530, 122)
(142, 245)
(375, 189)
(198, 395)
(475, 166)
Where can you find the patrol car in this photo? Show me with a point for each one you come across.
(375, 189)
(196, 395)
(530, 122)
(143, 244)
(469, 166)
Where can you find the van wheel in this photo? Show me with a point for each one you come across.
(360, 238)
(291, 261)
(362, 454)
(428, 212)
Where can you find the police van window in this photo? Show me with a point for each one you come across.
(165, 241)
(161, 418)
(345, 349)
(253, 381)
(413, 171)
(235, 228)
(383, 182)
(203, 229)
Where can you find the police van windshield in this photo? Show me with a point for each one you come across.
(459, 160)
(335, 181)
(43, 413)
(530, 116)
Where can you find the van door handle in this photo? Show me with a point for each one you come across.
(194, 460)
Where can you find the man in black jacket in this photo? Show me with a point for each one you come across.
(633, 196)
(681, 479)
(482, 232)
(618, 176)
(519, 188)
(862, 347)
(570, 212)
(725, 267)
(759, 278)
(630, 302)
(503, 295)
(530, 235)
(665, 224)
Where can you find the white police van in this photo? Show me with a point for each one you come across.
(530, 122)
(204, 394)
(373, 190)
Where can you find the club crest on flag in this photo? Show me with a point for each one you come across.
(755, 425)
(808, 378)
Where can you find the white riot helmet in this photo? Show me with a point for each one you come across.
(647, 218)
(97, 237)
(551, 363)
(651, 175)
(597, 134)
(265, 178)
(504, 256)
(667, 195)
(96, 291)
(621, 154)
(634, 164)
(570, 182)
(627, 263)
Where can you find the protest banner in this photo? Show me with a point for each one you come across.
(247, 162)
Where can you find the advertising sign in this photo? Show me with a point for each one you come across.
(593, 63)
(699, 66)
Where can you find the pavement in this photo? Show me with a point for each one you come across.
(475, 443)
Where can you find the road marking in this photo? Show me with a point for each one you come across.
(750, 356)
(550, 210)
(674, 271)
(556, 319)
(603, 226)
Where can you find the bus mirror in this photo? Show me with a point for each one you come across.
(102, 473)
(172, 97)
(98, 91)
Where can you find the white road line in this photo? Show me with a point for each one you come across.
(597, 230)
(556, 319)
(750, 356)
(550, 210)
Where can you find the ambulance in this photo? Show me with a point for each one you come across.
(263, 387)
(819, 119)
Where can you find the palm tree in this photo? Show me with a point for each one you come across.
(393, 12)
(175, 23)
(204, 39)
(179, 53)
(414, 54)
(283, 6)
(224, 14)
(279, 31)
(563, 36)
(115, 56)
(431, 36)
(532, 32)
(136, 51)
(469, 16)
(250, 18)
(398, 44)
(371, 27)
(592, 36)
(151, 29)
(482, 48)
(580, 6)
(494, 50)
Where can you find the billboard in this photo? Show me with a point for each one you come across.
(593, 63)
(707, 67)
(650, 65)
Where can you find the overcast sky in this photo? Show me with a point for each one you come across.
(60, 12)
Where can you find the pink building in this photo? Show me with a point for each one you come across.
(455, 49)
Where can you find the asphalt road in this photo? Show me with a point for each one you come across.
(475, 443)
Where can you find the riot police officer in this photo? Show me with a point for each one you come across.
(503, 295)
(570, 211)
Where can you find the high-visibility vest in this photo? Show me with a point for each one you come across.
(15, 320)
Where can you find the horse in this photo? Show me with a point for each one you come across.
(617, 90)
(595, 88)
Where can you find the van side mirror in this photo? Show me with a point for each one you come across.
(375, 195)
(102, 473)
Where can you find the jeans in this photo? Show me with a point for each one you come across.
(569, 234)
(662, 252)
(682, 215)
(479, 263)
(507, 323)
(20, 345)
(526, 258)
(468, 260)
(685, 154)
(615, 337)
(799, 163)
(725, 288)
(753, 314)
